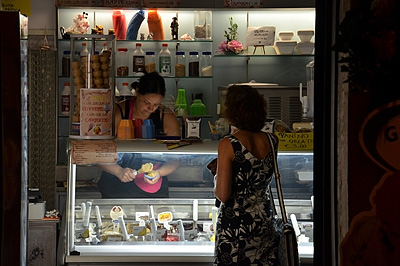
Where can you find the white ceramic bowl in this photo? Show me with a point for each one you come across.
(305, 35)
(285, 47)
(305, 47)
(285, 35)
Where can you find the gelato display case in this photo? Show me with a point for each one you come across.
(174, 230)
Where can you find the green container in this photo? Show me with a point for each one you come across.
(197, 108)
(180, 104)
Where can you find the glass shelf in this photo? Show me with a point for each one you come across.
(144, 41)
(166, 77)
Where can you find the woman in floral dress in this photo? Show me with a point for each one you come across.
(245, 233)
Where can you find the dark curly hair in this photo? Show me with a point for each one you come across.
(246, 108)
(150, 83)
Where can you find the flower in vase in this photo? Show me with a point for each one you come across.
(235, 46)
(231, 45)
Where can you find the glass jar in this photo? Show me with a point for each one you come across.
(194, 64)
(122, 62)
(202, 25)
(180, 64)
(206, 64)
(150, 60)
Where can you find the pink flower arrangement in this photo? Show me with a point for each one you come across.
(231, 45)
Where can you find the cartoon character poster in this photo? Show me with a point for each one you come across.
(374, 235)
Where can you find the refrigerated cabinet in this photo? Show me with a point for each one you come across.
(174, 230)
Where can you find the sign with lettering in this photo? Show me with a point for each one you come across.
(100, 3)
(160, 3)
(243, 3)
(24, 7)
(295, 141)
(260, 36)
(88, 152)
(96, 113)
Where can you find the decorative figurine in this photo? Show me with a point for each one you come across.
(150, 36)
(142, 36)
(174, 28)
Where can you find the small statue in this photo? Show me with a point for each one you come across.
(150, 36)
(174, 28)
(142, 36)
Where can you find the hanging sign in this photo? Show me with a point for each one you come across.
(17, 5)
(160, 3)
(88, 152)
(96, 113)
(95, 3)
(243, 3)
(260, 36)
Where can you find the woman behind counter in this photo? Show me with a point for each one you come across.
(245, 233)
(119, 180)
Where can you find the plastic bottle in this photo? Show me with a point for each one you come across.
(148, 129)
(65, 99)
(138, 60)
(105, 48)
(122, 62)
(66, 64)
(180, 64)
(194, 64)
(150, 61)
(125, 91)
(164, 60)
(206, 64)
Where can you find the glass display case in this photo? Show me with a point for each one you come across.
(174, 230)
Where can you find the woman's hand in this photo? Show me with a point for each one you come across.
(126, 174)
(154, 179)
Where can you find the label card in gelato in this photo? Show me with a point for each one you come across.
(96, 113)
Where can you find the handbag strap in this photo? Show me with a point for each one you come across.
(277, 181)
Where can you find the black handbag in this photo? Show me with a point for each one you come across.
(288, 250)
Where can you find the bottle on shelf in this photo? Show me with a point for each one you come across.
(206, 64)
(180, 64)
(65, 99)
(105, 48)
(150, 61)
(125, 91)
(194, 64)
(164, 60)
(66, 64)
(138, 60)
(122, 62)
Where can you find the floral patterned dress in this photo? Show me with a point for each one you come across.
(245, 233)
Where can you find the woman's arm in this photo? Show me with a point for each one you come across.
(171, 124)
(223, 178)
(123, 174)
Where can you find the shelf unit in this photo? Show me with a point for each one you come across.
(285, 70)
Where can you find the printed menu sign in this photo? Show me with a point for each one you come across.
(96, 115)
(260, 36)
(243, 3)
(86, 152)
(160, 3)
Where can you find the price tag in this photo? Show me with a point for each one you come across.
(165, 217)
